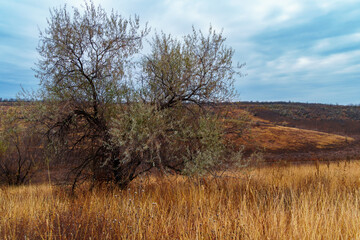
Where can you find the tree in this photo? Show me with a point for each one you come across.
(104, 124)
(82, 71)
(172, 128)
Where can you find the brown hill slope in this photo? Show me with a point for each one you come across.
(277, 138)
(337, 119)
(271, 137)
(280, 140)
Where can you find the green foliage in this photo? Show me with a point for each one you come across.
(169, 139)
(209, 150)
(197, 69)
(138, 131)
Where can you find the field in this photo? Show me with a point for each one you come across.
(319, 201)
(305, 186)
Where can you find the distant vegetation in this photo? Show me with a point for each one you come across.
(8, 99)
(297, 111)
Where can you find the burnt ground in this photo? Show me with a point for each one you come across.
(334, 119)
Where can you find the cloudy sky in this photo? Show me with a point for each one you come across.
(294, 50)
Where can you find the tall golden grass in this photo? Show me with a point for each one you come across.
(290, 202)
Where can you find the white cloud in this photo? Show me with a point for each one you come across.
(330, 43)
(328, 5)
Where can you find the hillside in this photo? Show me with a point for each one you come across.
(298, 131)
(337, 119)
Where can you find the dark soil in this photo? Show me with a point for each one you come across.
(334, 119)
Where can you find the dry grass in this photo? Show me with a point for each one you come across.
(291, 202)
(269, 136)
(279, 137)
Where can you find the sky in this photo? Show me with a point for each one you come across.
(294, 50)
